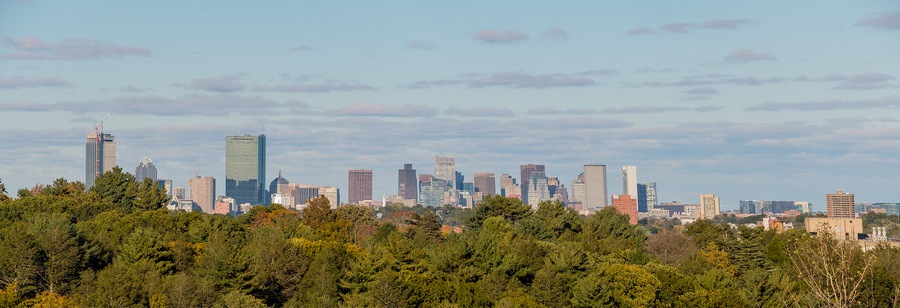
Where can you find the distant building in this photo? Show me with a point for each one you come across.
(407, 183)
(276, 187)
(485, 183)
(890, 208)
(178, 193)
(595, 187)
(625, 204)
(578, 194)
(332, 193)
(526, 171)
(165, 184)
(359, 186)
(100, 156)
(145, 170)
(646, 196)
(629, 181)
(245, 169)
(840, 205)
(508, 187)
(433, 191)
(203, 192)
(709, 206)
(538, 189)
(840, 228)
(445, 169)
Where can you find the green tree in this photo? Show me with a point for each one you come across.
(236, 299)
(615, 285)
(609, 231)
(670, 247)
(318, 212)
(150, 196)
(3, 196)
(510, 209)
(833, 270)
(116, 187)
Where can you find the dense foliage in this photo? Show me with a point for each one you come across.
(117, 246)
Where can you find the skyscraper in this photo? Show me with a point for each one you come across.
(245, 169)
(840, 205)
(445, 169)
(407, 183)
(508, 187)
(629, 181)
(359, 186)
(100, 150)
(145, 170)
(526, 171)
(646, 196)
(709, 206)
(203, 192)
(485, 183)
(279, 181)
(595, 193)
(538, 189)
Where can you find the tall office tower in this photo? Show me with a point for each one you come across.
(100, 150)
(625, 204)
(277, 185)
(303, 192)
(526, 171)
(629, 181)
(203, 192)
(646, 196)
(460, 179)
(245, 169)
(840, 205)
(578, 194)
(709, 206)
(360, 186)
(445, 169)
(165, 184)
(485, 183)
(506, 184)
(595, 194)
(333, 194)
(407, 183)
(538, 189)
(145, 170)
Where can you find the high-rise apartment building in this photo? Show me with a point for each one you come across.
(145, 170)
(646, 196)
(359, 187)
(408, 183)
(840, 205)
(709, 206)
(485, 183)
(625, 204)
(526, 171)
(629, 181)
(595, 193)
(100, 156)
(245, 169)
(203, 192)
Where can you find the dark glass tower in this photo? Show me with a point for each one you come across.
(245, 169)
(408, 183)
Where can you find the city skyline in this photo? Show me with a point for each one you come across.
(741, 100)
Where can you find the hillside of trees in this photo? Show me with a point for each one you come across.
(115, 245)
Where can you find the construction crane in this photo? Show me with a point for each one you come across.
(98, 128)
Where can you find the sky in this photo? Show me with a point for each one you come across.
(764, 100)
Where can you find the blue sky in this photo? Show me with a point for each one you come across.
(757, 100)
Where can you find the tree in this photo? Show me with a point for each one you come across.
(670, 247)
(3, 196)
(149, 196)
(117, 188)
(615, 285)
(318, 212)
(510, 209)
(833, 270)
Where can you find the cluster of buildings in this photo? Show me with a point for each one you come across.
(245, 186)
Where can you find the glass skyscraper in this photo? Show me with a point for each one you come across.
(100, 156)
(245, 169)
